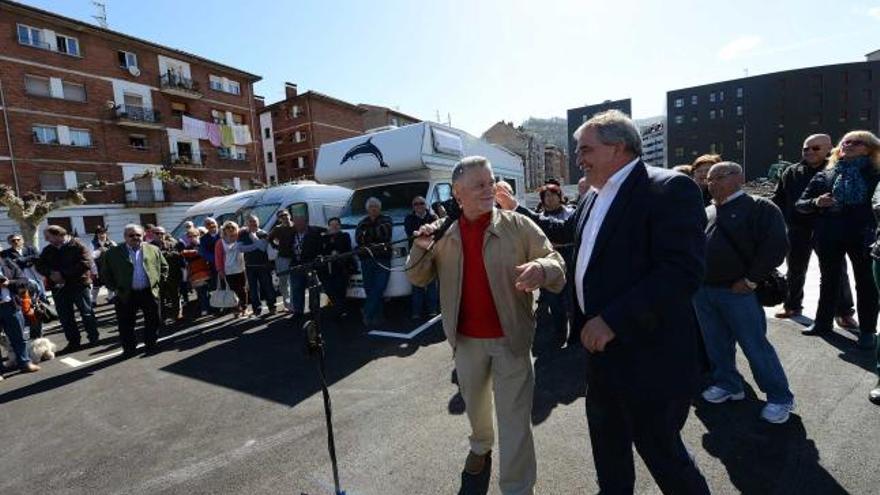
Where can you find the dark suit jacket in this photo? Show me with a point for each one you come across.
(647, 263)
(27, 258)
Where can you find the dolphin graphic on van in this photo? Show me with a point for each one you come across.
(365, 148)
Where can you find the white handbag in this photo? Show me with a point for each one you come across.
(223, 298)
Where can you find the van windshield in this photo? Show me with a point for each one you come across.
(197, 221)
(263, 213)
(396, 201)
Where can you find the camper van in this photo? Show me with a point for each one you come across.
(395, 166)
(316, 201)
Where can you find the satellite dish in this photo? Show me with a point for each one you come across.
(133, 70)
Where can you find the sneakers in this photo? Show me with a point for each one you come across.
(29, 368)
(776, 413)
(475, 463)
(874, 395)
(717, 395)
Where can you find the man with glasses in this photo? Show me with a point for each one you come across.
(801, 225)
(67, 265)
(134, 270)
(740, 226)
(422, 297)
(25, 257)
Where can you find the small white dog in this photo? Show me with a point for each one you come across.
(40, 350)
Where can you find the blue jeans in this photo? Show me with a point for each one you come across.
(727, 318)
(80, 296)
(375, 281)
(13, 325)
(424, 298)
(259, 279)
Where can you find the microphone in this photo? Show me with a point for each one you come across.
(453, 211)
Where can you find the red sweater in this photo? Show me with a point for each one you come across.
(477, 315)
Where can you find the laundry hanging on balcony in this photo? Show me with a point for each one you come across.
(213, 131)
(195, 128)
(241, 134)
(227, 137)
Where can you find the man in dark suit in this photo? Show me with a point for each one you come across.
(639, 258)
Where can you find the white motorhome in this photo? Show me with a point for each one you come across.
(395, 166)
(317, 201)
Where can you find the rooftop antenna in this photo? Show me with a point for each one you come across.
(746, 71)
(102, 13)
(438, 116)
(449, 119)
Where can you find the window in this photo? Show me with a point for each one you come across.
(694, 99)
(216, 83)
(269, 157)
(44, 134)
(37, 86)
(739, 110)
(712, 115)
(694, 117)
(866, 74)
(74, 91)
(780, 141)
(133, 100)
(679, 119)
(712, 97)
(301, 162)
(815, 119)
(86, 177)
(395, 122)
(720, 113)
(244, 184)
(52, 181)
(713, 148)
(218, 117)
(866, 95)
(679, 152)
(739, 144)
(227, 182)
(298, 137)
(739, 131)
(295, 111)
(267, 132)
(137, 141)
(865, 114)
(179, 109)
(91, 223)
(234, 87)
(721, 95)
(237, 118)
(32, 36)
(739, 92)
(127, 59)
(63, 222)
(843, 116)
(67, 45)
(80, 137)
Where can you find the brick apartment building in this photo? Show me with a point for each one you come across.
(292, 130)
(527, 145)
(80, 103)
(377, 117)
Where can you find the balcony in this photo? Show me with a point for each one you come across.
(226, 154)
(173, 84)
(144, 197)
(137, 116)
(185, 160)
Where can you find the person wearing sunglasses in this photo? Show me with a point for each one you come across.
(845, 226)
(423, 298)
(801, 227)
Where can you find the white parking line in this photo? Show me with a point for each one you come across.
(406, 336)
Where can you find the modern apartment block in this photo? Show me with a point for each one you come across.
(758, 121)
(293, 130)
(81, 103)
(577, 116)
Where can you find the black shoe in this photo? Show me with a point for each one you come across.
(128, 353)
(151, 350)
(815, 330)
(874, 395)
(69, 349)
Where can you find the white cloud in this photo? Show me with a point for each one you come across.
(874, 12)
(739, 47)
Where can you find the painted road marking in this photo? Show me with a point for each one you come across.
(406, 336)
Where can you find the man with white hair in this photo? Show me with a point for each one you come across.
(134, 270)
(488, 263)
(374, 232)
(639, 257)
(745, 241)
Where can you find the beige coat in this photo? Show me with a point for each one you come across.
(510, 240)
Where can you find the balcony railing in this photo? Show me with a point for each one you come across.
(144, 197)
(187, 160)
(134, 113)
(184, 86)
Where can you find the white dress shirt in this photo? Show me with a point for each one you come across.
(601, 204)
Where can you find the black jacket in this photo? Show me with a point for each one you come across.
(27, 258)
(412, 223)
(339, 243)
(854, 222)
(17, 281)
(378, 231)
(789, 189)
(647, 263)
(758, 229)
(72, 260)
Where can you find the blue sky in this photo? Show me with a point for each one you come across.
(490, 60)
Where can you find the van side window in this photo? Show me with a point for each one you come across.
(297, 209)
(442, 192)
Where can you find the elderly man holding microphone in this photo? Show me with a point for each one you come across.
(489, 262)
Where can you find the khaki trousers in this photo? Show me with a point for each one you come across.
(486, 367)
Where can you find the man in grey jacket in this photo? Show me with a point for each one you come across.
(745, 240)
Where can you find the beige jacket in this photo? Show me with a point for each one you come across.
(510, 240)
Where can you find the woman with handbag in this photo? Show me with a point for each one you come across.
(845, 226)
(198, 270)
(229, 260)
